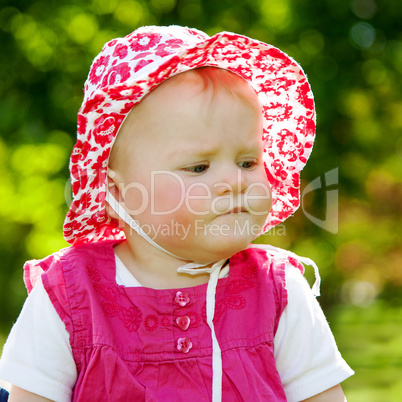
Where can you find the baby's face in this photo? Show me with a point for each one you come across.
(191, 170)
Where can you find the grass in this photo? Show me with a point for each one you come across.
(370, 339)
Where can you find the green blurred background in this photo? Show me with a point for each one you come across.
(352, 54)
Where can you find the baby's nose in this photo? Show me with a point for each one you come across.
(231, 182)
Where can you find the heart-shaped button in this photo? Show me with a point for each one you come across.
(183, 322)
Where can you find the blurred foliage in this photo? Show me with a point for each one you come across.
(371, 342)
(352, 54)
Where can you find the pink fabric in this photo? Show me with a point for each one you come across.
(134, 344)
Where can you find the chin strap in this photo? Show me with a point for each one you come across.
(123, 214)
(191, 268)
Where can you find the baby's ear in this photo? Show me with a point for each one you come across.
(113, 187)
(114, 180)
(111, 177)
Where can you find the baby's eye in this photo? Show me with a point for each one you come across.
(247, 164)
(197, 168)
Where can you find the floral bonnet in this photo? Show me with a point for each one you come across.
(129, 68)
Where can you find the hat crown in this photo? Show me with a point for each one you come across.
(129, 58)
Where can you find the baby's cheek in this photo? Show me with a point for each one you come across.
(193, 206)
(136, 198)
(258, 198)
(198, 199)
(167, 194)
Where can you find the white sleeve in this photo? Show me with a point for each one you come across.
(37, 356)
(306, 355)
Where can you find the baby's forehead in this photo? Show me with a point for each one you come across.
(207, 83)
(191, 98)
(206, 86)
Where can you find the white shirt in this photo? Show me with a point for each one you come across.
(38, 358)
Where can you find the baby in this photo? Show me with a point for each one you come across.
(189, 147)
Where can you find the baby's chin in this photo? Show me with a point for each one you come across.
(221, 247)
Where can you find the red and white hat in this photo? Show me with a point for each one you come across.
(129, 68)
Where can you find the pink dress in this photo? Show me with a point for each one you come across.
(141, 344)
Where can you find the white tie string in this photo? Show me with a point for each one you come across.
(316, 286)
(123, 214)
(191, 268)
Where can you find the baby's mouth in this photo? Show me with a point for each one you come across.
(236, 210)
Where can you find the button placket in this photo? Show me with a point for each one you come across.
(183, 322)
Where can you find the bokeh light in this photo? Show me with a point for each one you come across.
(362, 35)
